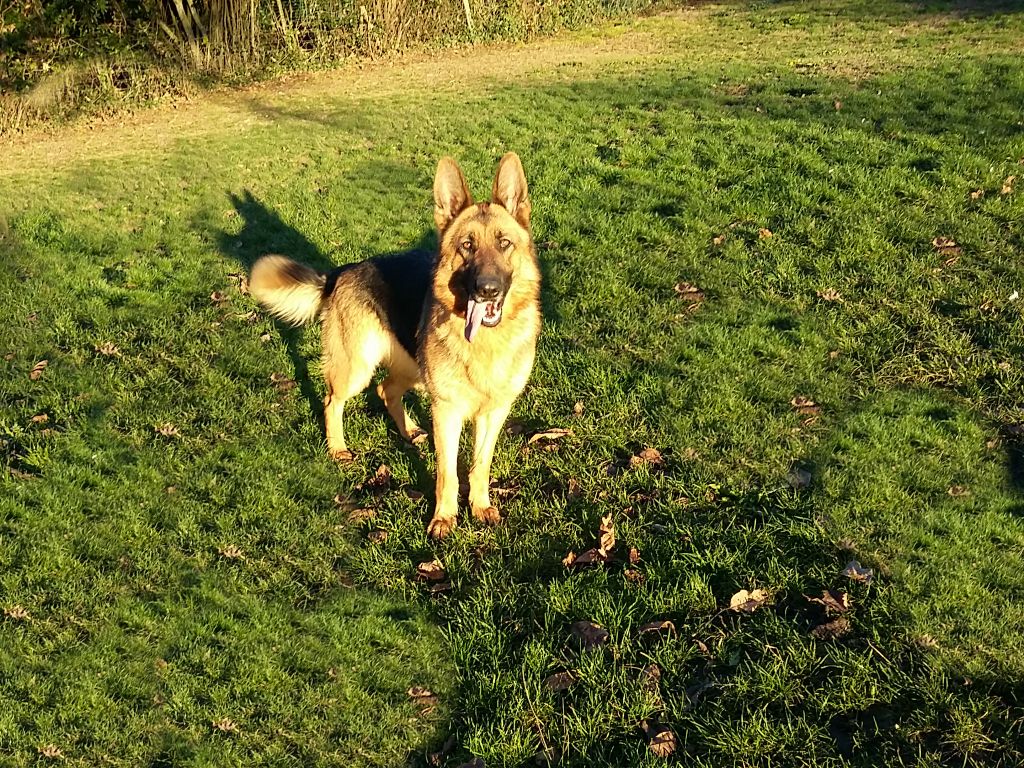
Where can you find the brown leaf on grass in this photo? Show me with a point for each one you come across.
(748, 602)
(1007, 188)
(606, 535)
(634, 555)
(832, 630)
(18, 474)
(717, 240)
(657, 629)
(265, 337)
(16, 612)
(589, 557)
(282, 381)
(560, 681)
(857, 572)
(37, 370)
(589, 634)
(569, 560)
(660, 738)
(231, 552)
(634, 576)
(226, 725)
(573, 489)
(549, 435)
(51, 751)
(830, 294)
(40, 418)
(764, 233)
(946, 246)
(377, 536)
(219, 298)
(578, 408)
(430, 571)
(413, 494)
(689, 293)
(837, 105)
(650, 678)
(107, 349)
(977, 194)
(167, 430)
(648, 456)
(958, 491)
(437, 587)
(423, 698)
(242, 280)
(379, 483)
(805, 406)
(833, 600)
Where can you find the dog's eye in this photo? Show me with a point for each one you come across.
(505, 243)
(467, 245)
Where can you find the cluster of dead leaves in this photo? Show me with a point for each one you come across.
(380, 483)
(546, 439)
(690, 295)
(434, 575)
(282, 382)
(424, 699)
(602, 553)
(807, 408)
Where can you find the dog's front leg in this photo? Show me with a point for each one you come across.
(448, 419)
(488, 428)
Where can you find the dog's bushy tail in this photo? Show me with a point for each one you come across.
(290, 291)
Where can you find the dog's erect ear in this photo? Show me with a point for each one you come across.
(451, 195)
(510, 189)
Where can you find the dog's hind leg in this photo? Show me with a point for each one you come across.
(487, 429)
(403, 375)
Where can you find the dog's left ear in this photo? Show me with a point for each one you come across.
(509, 189)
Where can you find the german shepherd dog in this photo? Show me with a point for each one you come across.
(463, 322)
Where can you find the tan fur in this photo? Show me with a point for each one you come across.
(474, 381)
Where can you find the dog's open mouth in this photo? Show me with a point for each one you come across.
(482, 313)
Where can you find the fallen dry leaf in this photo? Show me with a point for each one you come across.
(606, 535)
(226, 725)
(946, 246)
(748, 602)
(264, 337)
(977, 194)
(717, 240)
(830, 294)
(242, 280)
(430, 571)
(805, 406)
(51, 751)
(423, 698)
(577, 409)
(589, 634)
(837, 105)
(1007, 185)
(40, 418)
(37, 370)
(167, 430)
(108, 350)
(16, 612)
(648, 456)
(219, 298)
(856, 572)
(657, 629)
(379, 483)
(377, 535)
(689, 293)
(958, 491)
(660, 738)
(231, 552)
(550, 435)
(634, 576)
(764, 233)
(833, 600)
(832, 630)
(650, 679)
(560, 681)
(634, 555)
(415, 495)
(282, 381)
(589, 557)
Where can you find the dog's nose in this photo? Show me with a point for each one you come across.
(488, 287)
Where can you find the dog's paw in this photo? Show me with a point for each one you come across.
(343, 455)
(487, 515)
(440, 527)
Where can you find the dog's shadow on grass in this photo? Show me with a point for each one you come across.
(263, 232)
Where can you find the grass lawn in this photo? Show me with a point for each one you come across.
(187, 579)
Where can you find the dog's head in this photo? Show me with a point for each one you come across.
(486, 248)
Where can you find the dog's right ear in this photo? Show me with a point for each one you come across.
(451, 195)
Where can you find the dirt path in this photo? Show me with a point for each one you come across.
(236, 110)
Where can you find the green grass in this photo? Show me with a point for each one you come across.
(142, 633)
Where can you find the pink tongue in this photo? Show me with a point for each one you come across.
(474, 317)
